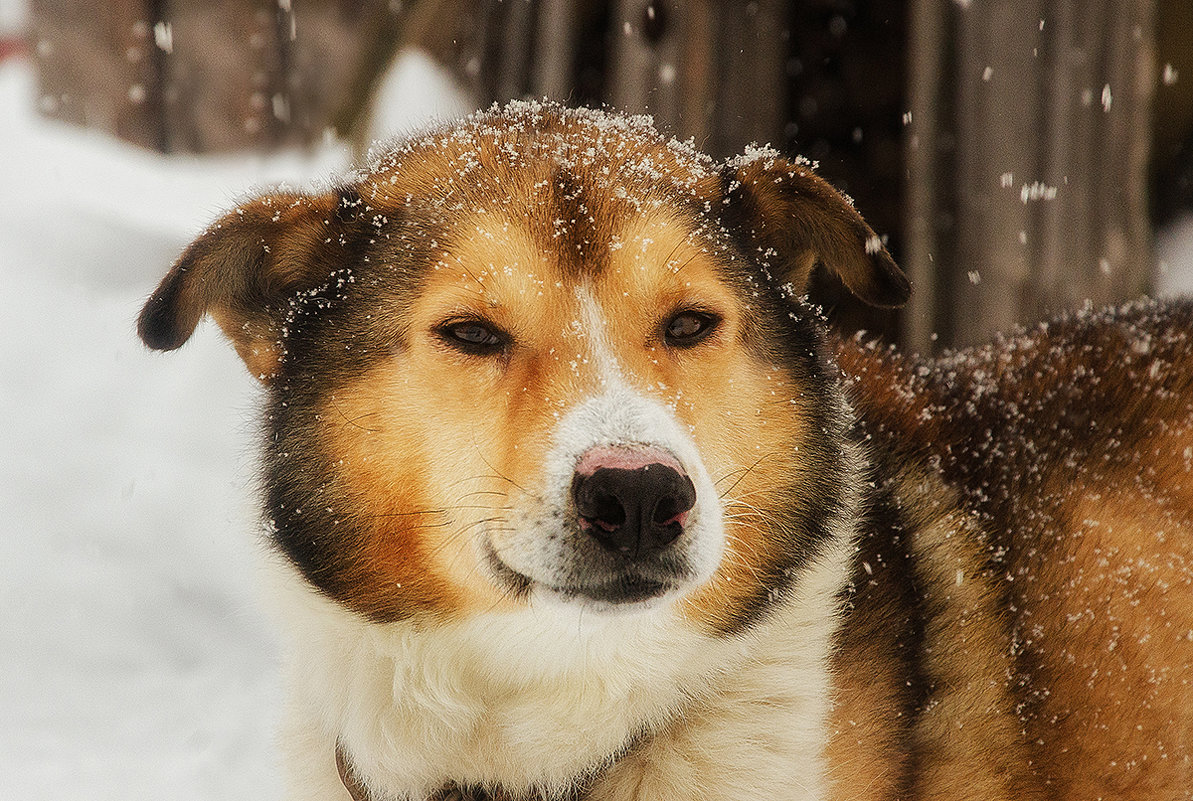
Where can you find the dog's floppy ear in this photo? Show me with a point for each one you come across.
(243, 270)
(784, 210)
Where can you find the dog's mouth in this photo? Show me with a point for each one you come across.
(617, 586)
(624, 590)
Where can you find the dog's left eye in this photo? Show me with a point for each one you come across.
(472, 336)
(689, 327)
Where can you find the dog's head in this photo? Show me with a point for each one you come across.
(542, 355)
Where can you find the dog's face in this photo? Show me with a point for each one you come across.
(544, 356)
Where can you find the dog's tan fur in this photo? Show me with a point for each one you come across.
(932, 579)
(1072, 443)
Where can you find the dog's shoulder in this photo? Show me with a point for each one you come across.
(1029, 498)
(1088, 375)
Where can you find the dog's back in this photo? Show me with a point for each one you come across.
(1028, 580)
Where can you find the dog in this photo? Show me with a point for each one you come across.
(574, 495)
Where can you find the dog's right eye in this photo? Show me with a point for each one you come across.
(689, 328)
(474, 336)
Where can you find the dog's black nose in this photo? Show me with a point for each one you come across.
(633, 510)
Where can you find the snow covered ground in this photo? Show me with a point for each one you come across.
(135, 659)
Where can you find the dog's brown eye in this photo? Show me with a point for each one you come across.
(472, 336)
(689, 327)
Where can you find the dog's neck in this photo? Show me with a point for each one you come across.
(460, 694)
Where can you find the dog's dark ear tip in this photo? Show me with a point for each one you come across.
(160, 325)
(892, 299)
(158, 332)
(156, 328)
(884, 286)
(895, 290)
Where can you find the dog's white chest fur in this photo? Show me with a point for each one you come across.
(548, 695)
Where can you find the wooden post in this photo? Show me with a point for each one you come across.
(224, 81)
(710, 70)
(645, 39)
(553, 71)
(204, 75)
(1028, 148)
(927, 229)
(332, 51)
(751, 92)
(100, 70)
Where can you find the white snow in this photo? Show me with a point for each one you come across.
(1174, 257)
(14, 16)
(135, 659)
(414, 89)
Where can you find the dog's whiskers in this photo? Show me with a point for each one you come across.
(410, 513)
(496, 472)
(744, 473)
(485, 492)
(352, 420)
(481, 477)
(453, 538)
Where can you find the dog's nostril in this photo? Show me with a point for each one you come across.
(668, 510)
(633, 511)
(607, 512)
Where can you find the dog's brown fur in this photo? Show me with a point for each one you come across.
(1019, 618)
(1068, 449)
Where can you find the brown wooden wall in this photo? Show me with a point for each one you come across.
(205, 75)
(1003, 146)
(1028, 147)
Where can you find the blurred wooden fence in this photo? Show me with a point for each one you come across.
(205, 75)
(1028, 154)
(714, 70)
(1003, 145)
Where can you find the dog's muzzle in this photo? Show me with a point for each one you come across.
(627, 514)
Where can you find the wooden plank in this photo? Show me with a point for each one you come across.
(457, 34)
(634, 63)
(99, 69)
(998, 148)
(553, 70)
(929, 32)
(697, 72)
(330, 54)
(224, 79)
(702, 69)
(1028, 154)
(193, 75)
(511, 49)
(751, 98)
(1099, 125)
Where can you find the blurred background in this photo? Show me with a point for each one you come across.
(1020, 157)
